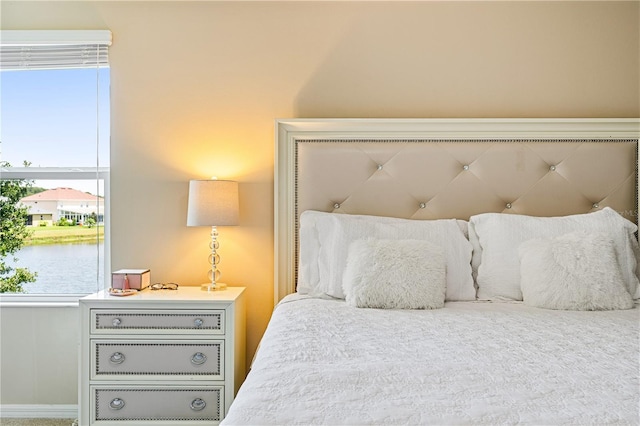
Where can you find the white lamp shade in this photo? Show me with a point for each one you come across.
(213, 203)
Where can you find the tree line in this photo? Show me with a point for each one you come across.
(13, 232)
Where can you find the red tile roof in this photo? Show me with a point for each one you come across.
(60, 194)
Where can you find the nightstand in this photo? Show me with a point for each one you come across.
(172, 357)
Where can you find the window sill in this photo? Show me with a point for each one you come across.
(39, 300)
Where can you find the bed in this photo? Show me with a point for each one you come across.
(451, 272)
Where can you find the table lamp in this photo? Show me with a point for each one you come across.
(213, 203)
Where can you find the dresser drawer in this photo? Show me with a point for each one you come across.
(157, 359)
(171, 404)
(157, 322)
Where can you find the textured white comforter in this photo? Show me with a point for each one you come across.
(322, 362)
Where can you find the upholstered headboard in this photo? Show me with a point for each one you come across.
(438, 168)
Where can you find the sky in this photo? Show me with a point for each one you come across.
(48, 118)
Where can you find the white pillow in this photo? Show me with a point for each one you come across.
(497, 236)
(309, 250)
(395, 274)
(325, 240)
(576, 271)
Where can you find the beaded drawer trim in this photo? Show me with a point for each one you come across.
(106, 346)
(108, 317)
(101, 416)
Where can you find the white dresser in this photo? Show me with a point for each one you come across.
(161, 357)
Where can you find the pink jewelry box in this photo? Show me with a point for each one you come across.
(136, 279)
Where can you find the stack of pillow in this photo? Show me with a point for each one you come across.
(578, 262)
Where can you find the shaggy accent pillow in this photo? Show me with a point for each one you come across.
(576, 271)
(395, 274)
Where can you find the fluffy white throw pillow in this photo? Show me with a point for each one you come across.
(395, 274)
(576, 271)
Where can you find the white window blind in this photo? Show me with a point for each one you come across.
(25, 50)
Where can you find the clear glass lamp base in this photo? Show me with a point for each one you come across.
(210, 287)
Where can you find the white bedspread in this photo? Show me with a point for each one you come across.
(322, 362)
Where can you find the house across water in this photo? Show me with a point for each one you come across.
(51, 205)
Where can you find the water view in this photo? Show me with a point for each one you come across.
(63, 268)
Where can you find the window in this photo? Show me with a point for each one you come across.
(55, 135)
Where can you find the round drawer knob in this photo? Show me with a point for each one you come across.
(116, 358)
(116, 322)
(198, 404)
(116, 404)
(198, 322)
(198, 358)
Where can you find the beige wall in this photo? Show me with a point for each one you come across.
(39, 359)
(196, 87)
